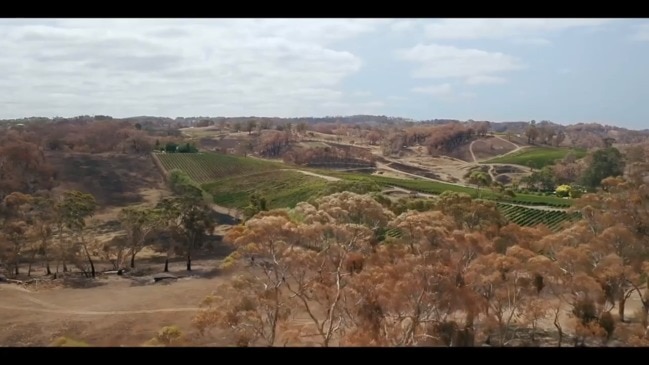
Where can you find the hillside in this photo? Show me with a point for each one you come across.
(113, 179)
(399, 190)
(208, 167)
(581, 135)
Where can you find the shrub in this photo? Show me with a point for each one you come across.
(584, 310)
(607, 322)
(576, 191)
(563, 191)
(67, 342)
(167, 336)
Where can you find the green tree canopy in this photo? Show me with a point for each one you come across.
(605, 163)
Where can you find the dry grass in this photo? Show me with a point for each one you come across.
(119, 312)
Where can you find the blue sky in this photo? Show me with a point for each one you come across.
(563, 70)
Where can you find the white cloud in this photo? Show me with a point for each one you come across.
(345, 108)
(485, 80)
(435, 90)
(515, 29)
(172, 67)
(532, 41)
(467, 95)
(396, 100)
(438, 62)
(641, 33)
(444, 92)
(404, 25)
(361, 93)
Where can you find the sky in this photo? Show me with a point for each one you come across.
(563, 70)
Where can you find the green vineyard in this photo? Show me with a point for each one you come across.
(206, 167)
(553, 219)
(223, 176)
(436, 188)
(281, 189)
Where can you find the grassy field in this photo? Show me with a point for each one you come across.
(231, 180)
(207, 167)
(280, 188)
(537, 157)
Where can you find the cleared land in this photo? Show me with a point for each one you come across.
(450, 168)
(127, 311)
(489, 147)
(114, 311)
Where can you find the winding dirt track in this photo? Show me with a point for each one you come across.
(328, 178)
(516, 149)
(491, 166)
(51, 308)
(95, 313)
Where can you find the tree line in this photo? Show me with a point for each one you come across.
(58, 229)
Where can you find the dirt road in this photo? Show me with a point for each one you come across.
(516, 149)
(116, 314)
(117, 311)
(232, 212)
(328, 178)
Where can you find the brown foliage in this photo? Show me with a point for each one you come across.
(247, 308)
(336, 155)
(23, 168)
(354, 263)
(446, 137)
(92, 135)
(471, 214)
(443, 281)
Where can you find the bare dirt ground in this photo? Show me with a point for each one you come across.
(111, 310)
(482, 150)
(123, 311)
(449, 169)
(454, 170)
(116, 311)
(397, 192)
(487, 148)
